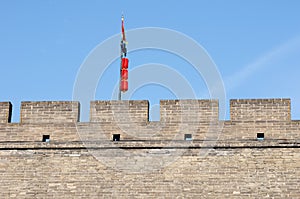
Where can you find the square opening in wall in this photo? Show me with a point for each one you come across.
(260, 136)
(116, 137)
(188, 137)
(46, 138)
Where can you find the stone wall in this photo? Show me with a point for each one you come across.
(5, 112)
(130, 119)
(49, 112)
(232, 173)
(152, 159)
(260, 110)
(119, 111)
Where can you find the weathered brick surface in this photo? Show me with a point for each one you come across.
(260, 109)
(5, 112)
(119, 111)
(34, 132)
(49, 112)
(152, 160)
(232, 173)
(176, 111)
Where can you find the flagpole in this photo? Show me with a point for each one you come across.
(121, 56)
(120, 94)
(123, 52)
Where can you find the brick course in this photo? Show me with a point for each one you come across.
(152, 160)
(5, 112)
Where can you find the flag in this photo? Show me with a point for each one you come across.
(123, 41)
(123, 30)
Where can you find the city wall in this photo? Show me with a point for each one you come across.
(152, 159)
(200, 118)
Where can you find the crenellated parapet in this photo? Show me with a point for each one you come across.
(119, 153)
(125, 111)
(260, 110)
(130, 119)
(5, 112)
(137, 111)
(49, 112)
(189, 110)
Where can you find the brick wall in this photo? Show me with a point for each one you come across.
(130, 120)
(5, 112)
(49, 112)
(260, 110)
(119, 111)
(82, 161)
(231, 173)
(189, 110)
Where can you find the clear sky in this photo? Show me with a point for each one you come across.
(255, 45)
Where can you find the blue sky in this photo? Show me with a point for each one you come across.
(255, 45)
